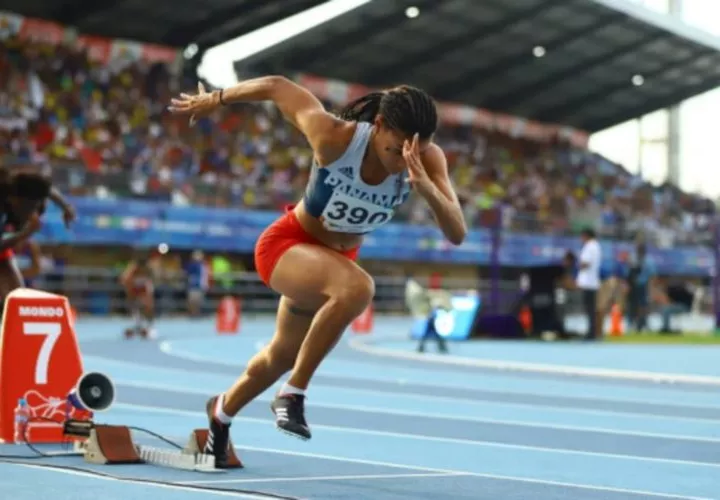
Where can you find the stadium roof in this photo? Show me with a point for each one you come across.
(481, 53)
(166, 22)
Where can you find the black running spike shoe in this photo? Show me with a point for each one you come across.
(218, 436)
(289, 410)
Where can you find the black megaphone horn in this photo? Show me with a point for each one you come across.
(93, 392)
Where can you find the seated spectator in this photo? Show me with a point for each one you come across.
(102, 131)
(672, 299)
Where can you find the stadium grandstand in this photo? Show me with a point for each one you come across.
(522, 87)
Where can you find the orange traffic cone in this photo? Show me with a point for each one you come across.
(525, 318)
(616, 321)
(363, 324)
(227, 319)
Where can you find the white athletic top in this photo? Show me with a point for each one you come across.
(338, 197)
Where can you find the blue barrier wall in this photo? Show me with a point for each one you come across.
(146, 224)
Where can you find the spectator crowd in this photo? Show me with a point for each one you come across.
(103, 130)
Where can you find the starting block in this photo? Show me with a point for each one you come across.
(178, 459)
(110, 444)
(113, 444)
(196, 444)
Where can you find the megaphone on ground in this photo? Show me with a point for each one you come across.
(93, 392)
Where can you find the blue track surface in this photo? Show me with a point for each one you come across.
(386, 429)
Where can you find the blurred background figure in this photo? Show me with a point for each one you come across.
(588, 281)
(138, 279)
(222, 270)
(198, 282)
(640, 273)
(433, 305)
(672, 298)
(569, 265)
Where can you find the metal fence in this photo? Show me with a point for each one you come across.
(97, 290)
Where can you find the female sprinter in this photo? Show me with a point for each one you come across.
(366, 161)
(23, 196)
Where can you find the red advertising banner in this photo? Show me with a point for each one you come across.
(456, 114)
(99, 49)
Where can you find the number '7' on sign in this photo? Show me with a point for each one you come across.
(39, 354)
(51, 331)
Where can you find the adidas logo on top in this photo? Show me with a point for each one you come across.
(346, 171)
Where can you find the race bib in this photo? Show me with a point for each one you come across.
(351, 215)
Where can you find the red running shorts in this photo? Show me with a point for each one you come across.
(279, 237)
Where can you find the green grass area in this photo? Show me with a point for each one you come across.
(656, 338)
